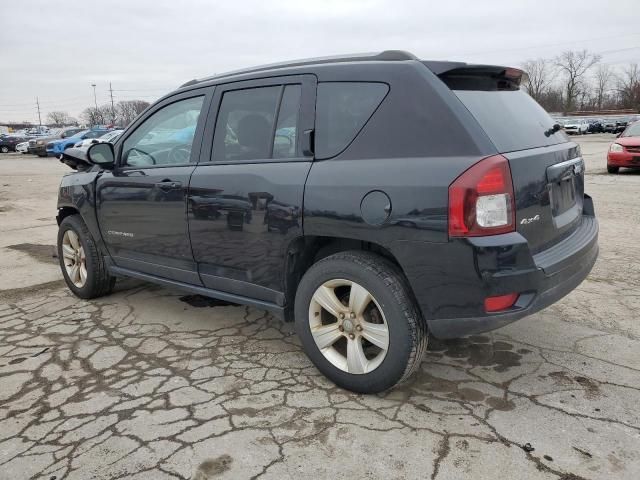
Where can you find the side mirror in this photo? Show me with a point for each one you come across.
(101, 154)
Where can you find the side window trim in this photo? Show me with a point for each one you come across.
(276, 114)
(206, 92)
(306, 118)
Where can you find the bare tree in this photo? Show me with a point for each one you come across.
(540, 74)
(128, 110)
(602, 79)
(58, 118)
(99, 116)
(629, 87)
(574, 65)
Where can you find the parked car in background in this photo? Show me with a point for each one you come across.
(609, 125)
(625, 150)
(501, 229)
(110, 137)
(56, 147)
(595, 125)
(38, 146)
(23, 147)
(621, 124)
(576, 126)
(8, 143)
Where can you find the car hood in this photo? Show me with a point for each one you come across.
(628, 141)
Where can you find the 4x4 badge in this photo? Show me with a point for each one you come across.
(527, 221)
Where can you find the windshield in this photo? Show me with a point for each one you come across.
(632, 130)
(79, 134)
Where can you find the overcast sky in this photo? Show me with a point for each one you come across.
(55, 50)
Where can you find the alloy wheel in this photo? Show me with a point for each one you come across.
(75, 262)
(348, 326)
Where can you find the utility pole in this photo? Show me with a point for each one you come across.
(39, 118)
(113, 109)
(95, 100)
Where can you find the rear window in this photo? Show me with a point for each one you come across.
(511, 118)
(342, 109)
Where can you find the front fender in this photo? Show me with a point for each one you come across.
(77, 193)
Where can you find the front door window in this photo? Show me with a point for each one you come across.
(166, 137)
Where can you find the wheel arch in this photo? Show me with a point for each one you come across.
(303, 252)
(64, 212)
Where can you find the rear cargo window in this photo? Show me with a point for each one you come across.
(342, 109)
(511, 118)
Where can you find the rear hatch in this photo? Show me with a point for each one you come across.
(546, 168)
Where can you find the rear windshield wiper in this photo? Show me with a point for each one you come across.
(556, 128)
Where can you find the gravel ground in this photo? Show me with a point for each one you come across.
(150, 384)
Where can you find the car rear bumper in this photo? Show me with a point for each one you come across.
(623, 159)
(453, 280)
(37, 150)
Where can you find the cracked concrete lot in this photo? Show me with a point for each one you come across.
(149, 383)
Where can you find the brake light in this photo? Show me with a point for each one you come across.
(499, 303)
(481, 200)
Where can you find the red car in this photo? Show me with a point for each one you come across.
(625, 151)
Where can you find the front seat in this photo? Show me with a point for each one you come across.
(253, 133)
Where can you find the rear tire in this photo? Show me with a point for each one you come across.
(612, 169)
(4, 149)
(383, 311)
(76, 247)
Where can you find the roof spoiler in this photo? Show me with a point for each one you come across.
(459, 70)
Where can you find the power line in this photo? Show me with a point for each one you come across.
(514, 49)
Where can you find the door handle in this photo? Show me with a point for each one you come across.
(167, 185)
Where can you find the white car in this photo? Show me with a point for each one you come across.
(577, 126)
(22, 147)
(107, 137)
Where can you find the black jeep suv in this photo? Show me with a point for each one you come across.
(371, 199)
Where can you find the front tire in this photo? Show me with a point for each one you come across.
(4, 149)
(358, 323)
(611, 169)
(83, 266)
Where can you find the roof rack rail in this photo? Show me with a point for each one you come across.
(387, 55)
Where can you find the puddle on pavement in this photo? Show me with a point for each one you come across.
(42, 253)
(473, 351)
(478, 350)
(213, 468)
(591, 387)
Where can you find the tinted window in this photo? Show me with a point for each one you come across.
(342, 109)
(166, 137)
(244, 128)
(285, 141)
(511, 118)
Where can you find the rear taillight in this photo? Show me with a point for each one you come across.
(481, 200)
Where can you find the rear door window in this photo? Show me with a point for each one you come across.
(257, 124)
(342, 110)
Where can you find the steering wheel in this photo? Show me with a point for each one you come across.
(146, 154)
(180, 154)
